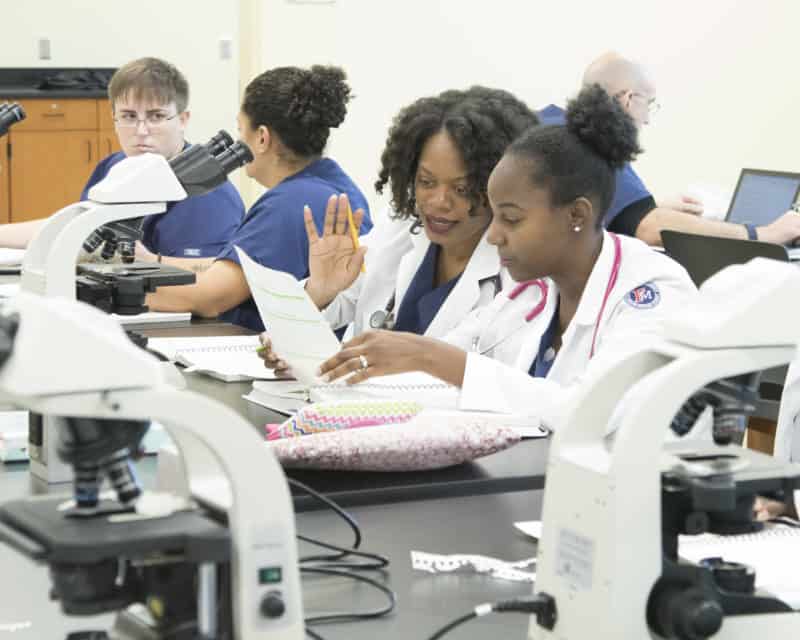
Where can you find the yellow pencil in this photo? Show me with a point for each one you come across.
(354, 234)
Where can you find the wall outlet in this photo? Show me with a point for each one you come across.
(44, 48)
(225, 48)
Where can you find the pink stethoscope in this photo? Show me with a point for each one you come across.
(542, 286)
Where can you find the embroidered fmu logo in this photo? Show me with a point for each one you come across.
(645, 297)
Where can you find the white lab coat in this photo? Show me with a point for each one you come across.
(393, 258)
(498, 380)
(787, 435)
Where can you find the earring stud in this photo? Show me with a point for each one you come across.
(576, 228)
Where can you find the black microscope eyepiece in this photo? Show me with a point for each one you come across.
(218, 143)
(235, 156)
(10, 114)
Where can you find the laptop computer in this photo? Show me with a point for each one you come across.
(703, 256)
(762, 196)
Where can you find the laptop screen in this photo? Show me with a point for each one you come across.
(762, 196)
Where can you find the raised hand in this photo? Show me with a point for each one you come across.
(333, 261)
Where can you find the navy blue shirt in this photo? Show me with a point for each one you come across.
(197, 227)
(273, 232)
(423, 299)
(547, 355)
(629, 187)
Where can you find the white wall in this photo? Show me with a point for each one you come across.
(108, 34)
(725, 70)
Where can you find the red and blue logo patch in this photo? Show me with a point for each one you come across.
(645, 297)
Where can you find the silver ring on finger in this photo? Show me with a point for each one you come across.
(363, 360)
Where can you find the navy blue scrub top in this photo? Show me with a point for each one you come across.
(197, 227)
(628, 187)
(546, 356)
(422, 299)
(273, 233)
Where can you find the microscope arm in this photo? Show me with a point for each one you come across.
(261, 516)
(49, 264)
(54, 360)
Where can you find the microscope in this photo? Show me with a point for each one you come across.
(10, 114)
(619, 493)
(134, 188)
(172, 569)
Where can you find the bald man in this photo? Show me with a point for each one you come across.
(634, 211)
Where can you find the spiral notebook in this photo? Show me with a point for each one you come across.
(772, 552)
(287, 396)
(227, 358)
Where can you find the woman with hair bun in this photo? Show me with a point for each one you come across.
(584, 295)
(285, 119)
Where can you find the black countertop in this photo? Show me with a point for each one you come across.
(27, 82)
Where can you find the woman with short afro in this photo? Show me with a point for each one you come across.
(285, 119)
(586, 296)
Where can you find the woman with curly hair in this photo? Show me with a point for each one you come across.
(430, 265)
(285, 119)
(585, 295)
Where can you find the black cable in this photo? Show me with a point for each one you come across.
(378, 561)
(334, 565)
(350, 520)
(352, 615)
(541, 605)
(452, 625)
(313, 634)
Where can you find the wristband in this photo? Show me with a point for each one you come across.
(159, 258)
(752, 234)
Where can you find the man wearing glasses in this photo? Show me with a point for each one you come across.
(634, 211)
(149, 98)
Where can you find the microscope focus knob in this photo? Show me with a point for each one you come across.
(697, 617)
(272, 605)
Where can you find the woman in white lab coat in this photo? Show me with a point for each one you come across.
(787, 444)
(429, 263)
(585, 295)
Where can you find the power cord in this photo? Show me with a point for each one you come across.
(541, 605)
(337, 564)
(350, 616)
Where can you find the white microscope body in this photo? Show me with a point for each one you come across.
(69, 335)
(600, 554)
(135, 187)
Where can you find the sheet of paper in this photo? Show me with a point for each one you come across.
(531, 528)
(299, 332)
(153, 317)
(232, 358)
(769, 552)
(9, 290)
(169, 347)
(11, 256)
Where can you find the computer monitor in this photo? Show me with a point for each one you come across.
(762, 196)
(703, 256)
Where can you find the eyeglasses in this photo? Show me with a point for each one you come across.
(153, 119)
(653, 107)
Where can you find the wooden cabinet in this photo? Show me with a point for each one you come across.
(52, 154)
(49, 170)
(4, 181)
(107, 136)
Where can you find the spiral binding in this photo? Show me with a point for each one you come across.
(238, 348)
